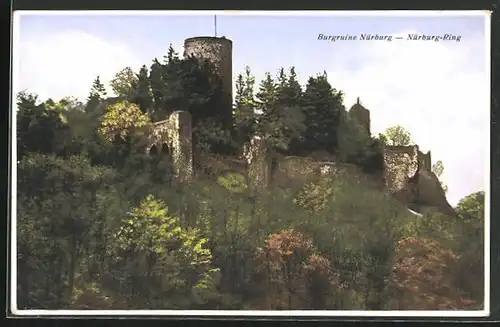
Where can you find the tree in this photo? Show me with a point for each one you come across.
(55, 224)
(438, 170)
(279, 122)
(353, 143)
(471, 207)
(140, 91)
(157, 84)
(123, 81)
(166, 265)
(172, 55)
(122, 120)
(97, 95)
(421, 280)
(244, 110)
(41, 127)
(322, 107)
(396, 136)
(296, 273)
(469, 272)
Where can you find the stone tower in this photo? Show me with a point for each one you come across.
(361, 115)
(219, 51)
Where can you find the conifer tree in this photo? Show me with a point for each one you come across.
(141, 91)
(157, 85)
(244, 111)
(96, 96)
(280, 120)
(281, 79)
(290, 97)
(172, 55)
(322, 109)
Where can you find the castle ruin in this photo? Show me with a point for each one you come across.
(175, 133)
(407, 171)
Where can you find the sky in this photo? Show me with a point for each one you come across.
(438, 91)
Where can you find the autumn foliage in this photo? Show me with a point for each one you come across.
(423, 277)
(295, 274)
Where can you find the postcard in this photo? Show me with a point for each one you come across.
(251, 163)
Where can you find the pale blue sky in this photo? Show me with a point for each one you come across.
(266, 43)
(437, 90)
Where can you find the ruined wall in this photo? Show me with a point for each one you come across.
(219, 51)
(176, 133)
(361, 115)
(405, 175)
(294, 168)
(258, 164)
(400, 169)
(425, 160)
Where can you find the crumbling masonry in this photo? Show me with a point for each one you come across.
(175, 133)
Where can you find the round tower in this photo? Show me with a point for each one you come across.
(219, 51)
(361, 114)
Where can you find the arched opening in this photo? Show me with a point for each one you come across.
(153, 151)
(165, 150)
(160, 151)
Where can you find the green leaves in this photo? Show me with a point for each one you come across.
(353, 142)
(280, 119)
(181, 257)
(123, 82)
(233, 182)
(121, 120)
(322, 107)
(397, 136)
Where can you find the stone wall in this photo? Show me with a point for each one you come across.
(425, 160)
(293, 168)
(175, 133)
(400, 168)
(405, 176)
(258, 164)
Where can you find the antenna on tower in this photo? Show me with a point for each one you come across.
(215, 25)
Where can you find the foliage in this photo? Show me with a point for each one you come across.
(471, 208)
(396, 136)
(171, 264)
(422, 280)
(470, 265)
(140, 91)
(353, 142)
(438, 170)
(295, 275)
(41, 127)
(51, 247)
(97, 95)
(279, 122)
(123, 82)
(107, 226)
(245, 105)
(323, 110)
(122, 120)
